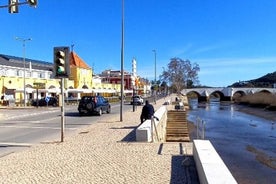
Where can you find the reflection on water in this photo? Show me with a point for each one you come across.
(246, 143)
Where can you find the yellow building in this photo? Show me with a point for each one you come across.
(80, 71)
(37, 77)
(19, 75)
(85, 83)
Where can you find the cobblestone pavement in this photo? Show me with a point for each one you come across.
(105, 152)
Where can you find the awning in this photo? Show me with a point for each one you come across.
(98, 90)
(42, 90)
(74, 90)
(87, 90)
(28, 90)
(53, 90)
(128, 91)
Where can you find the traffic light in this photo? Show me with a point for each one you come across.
(61, 62)
(32, 2)
(13, 6)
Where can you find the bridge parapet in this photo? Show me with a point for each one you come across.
(227, 92)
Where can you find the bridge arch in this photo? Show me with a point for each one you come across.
(238, 94)
(200, 95)
(265, 91)
(193, 94)
(227, 93)
(217, 94)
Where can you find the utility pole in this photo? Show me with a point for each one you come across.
(154, 66)
(24, 61)
(122, 65)
(155, 85)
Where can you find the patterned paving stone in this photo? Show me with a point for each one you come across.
(102, 154)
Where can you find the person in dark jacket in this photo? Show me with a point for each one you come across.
(147, 112)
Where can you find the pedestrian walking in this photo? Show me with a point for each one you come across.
(147, 112)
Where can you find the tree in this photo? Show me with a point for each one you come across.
(164, 87)
(155, 85)
(181, 74)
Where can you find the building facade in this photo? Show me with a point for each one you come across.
(132, 84)
(36, 79)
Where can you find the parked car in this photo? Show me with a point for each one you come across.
(50, 101)
(137, 99)
(94, 104)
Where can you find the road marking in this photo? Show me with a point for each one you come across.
(29, 114)
(15, 144)
(22, 121)
(53, 128)
(32, 121)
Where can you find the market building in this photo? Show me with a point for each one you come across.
(35, 78)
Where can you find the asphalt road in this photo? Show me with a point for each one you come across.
(22, 128)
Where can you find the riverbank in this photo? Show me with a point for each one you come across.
(257, 111)
(262, 157)
(251, 157)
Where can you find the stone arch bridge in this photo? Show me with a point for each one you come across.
(226, 93)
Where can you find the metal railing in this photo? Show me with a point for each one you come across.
(154, 129)
(200, 128)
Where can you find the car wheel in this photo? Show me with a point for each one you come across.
(108, 110)
(100, 112)
(90, 106)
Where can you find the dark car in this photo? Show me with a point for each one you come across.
(46, 101)
(93, 104)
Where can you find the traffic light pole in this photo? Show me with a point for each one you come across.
(62, 109)
(133, 105)
(13, 5)
(61, 71)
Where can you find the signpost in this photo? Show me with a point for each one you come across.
(47, 99)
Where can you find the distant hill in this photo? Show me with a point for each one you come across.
(265, 81)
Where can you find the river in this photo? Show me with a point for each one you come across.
(245, 142)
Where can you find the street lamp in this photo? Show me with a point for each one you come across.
(154, 75)
(122, 60)
(24, 77)
(154, 66)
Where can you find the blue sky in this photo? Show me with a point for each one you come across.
(231, 40)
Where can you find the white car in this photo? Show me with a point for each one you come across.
(137, 99)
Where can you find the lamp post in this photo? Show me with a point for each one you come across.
(24, 61)
(122, 62)
(154, 75)
(154, 66)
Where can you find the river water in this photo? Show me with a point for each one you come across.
(246, 143)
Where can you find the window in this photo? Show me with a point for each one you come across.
(41, 75)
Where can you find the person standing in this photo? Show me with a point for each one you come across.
(147, 112)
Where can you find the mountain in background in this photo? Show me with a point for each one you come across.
(267, 81)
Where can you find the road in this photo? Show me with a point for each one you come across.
(22, 128)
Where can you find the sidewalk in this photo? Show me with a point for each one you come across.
(105, 152)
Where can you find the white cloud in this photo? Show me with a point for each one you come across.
(225, 71)
(226, 62)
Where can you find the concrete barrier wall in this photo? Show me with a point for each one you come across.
(143, 132)
(210, 167)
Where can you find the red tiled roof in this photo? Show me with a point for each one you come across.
(77, 61)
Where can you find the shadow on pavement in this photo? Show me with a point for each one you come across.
(183, 170)
(72, 114)
(131, 137)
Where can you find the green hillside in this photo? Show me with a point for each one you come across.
(265, 81)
